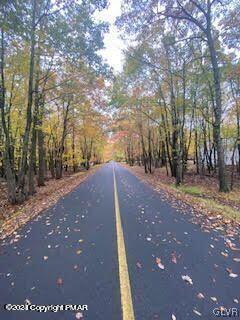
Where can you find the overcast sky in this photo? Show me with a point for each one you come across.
(114, 45)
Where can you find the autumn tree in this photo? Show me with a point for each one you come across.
(192, 21)
(47, 36)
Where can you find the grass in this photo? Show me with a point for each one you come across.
(199, 192)
(192, 190)
(232, 196)
(210, 204)
(224, 210)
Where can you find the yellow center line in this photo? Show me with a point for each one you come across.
(125, 287)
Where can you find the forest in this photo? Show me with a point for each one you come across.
(52, 94)
(177, 100)
(119, 159)
(175, 105)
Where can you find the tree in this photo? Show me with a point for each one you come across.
(198, 23)
(49, 37)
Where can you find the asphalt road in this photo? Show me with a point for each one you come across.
(70, 255)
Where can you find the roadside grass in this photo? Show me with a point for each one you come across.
(232, 196)
(192, 190)
(201, 193)
(201, 196)
(226, 211)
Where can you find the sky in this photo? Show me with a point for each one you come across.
(113, 44)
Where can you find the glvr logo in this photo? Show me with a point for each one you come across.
(226, 312)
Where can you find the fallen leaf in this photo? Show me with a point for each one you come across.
(79, 315)
(231, 245)
(200, 295)
(187, 279)
(233, 275)
(214, 299)
(159, 263)
(174, 317)
(139, 265)
(197, 312)
(59, 281)
(236, 259)
(78, 251)
(224, 254)
(174, 257)
(45, 257)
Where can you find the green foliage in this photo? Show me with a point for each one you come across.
(192, 190)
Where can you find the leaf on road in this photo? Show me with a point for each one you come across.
(236, 259)
(224, 254)
(79, 315)
(139, 265)
(174, 257)
(45, 257)
(231, 274)
(232, 245)
(174, 317)
(159, 263)
(197, 312)
(187, 279)
(214, 299)
(200, 295)
(78, 251)
(59, 281)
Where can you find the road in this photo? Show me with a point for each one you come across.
(115, 245)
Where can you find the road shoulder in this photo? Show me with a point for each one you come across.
(46, 197)
(202, 211)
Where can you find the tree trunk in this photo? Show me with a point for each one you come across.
(223, 185)
(51, 164)
(59, 160)
(74, 164)
(21, 186)
(32, 160)
(41, 149)
(33, 156)
(10, 175)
